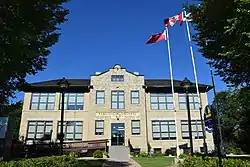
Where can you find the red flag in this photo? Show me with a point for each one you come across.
(156, 37)
(169, 22)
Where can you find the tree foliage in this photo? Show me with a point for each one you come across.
(235, 109)
(28, 28)
(13, 112)
(223, 35)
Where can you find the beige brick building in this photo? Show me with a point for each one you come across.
(117, 105)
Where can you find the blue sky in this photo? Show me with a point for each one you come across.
(101, 33)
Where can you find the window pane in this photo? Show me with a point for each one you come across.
(184, 127)
(135, 94)
(34, 106)
(169, 98)
(51, 98)
(78, 136)
(100, 101)
(114, 97)
(199, 128)
(121, 98)
(79, 99)
(39, 135)
(154, 99)
(99, 124)
(135, 123)
(50, 106)
(154, 106)
(191, 106)
(42, 106)
(170, 106)
(70, 128)
(43, 98)
(72, 99)
(121, 105)
(172, 134)
(156, 135)
(32, 129)
(114, 105)
(172, 128)
(162, 99)
(182, 99)
(35, 98)
(135, 131)
(135, 101)
(164, 128)
(185, 134)
(100, 94)
(197, 106)
(183, 106)
(31, 135)
(196, 99)
(191, 99)
(40, 128)
(162, 106)
(156, 128)
(164, 134)
(99, 130)
(69, 136)
(48, 129)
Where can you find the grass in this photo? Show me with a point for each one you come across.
(154, 162)
(90, 163)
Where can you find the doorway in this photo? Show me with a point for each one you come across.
(117, 134)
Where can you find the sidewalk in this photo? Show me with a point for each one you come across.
(130, 163)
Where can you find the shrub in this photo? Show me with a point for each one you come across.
(212, 162)
(53, 161)
(143, 154)
(183, 156)
(98, 154)
(158, 154)
(106, 154)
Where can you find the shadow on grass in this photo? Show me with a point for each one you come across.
(90, 163)
(109, 163)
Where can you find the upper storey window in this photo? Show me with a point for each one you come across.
(42, 101)
(117, 78)
(73, 101)
(193, 101)
(161, 101)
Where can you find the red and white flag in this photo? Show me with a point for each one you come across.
(157, 37)
(169, 22)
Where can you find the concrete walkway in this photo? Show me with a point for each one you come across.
(111, 163)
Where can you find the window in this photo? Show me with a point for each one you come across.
(73, 101)
(117, 99)
(193, 101)
(163, 130)
(135, 97)
(135, 127)
(100, 97)
(196, 129)
(117, 78)
(42, 101)
(38, 129)
(72, 130)
(99, 127)
(162, 101)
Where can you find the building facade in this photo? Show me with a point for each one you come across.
(117, 105)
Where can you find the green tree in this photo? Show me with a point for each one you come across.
(28, 28)
(223, 35)
(13, 112)
(235, 109)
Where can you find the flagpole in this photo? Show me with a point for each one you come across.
(172, 87)
(196, 82)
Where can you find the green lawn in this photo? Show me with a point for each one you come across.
(154, 162)
(90, 163)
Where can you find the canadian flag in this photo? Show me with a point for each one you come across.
(169, 22)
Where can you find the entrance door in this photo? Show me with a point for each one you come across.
(117, 134)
